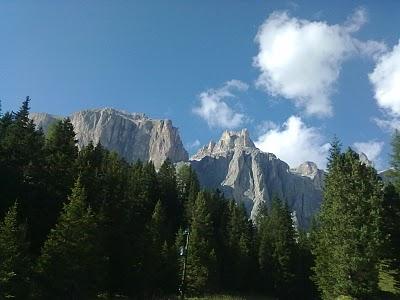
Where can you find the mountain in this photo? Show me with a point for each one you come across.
(239, 169)
(233, 164)
(133, 136)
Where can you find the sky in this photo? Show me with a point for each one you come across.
(295, 73)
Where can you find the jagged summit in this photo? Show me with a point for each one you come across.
(117, 112)
(238, 168)
(229, 141)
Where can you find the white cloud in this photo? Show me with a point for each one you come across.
(371, 148)
(301, 60)
(214, 108)
(295, 143)
(386, 82)
(391, 124)
(193, 145)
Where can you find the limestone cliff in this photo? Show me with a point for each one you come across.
(134, 136)
(242, 171)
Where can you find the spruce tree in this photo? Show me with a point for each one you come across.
(61, 153)
(201, 263)
(169, 198)
(348, 237)
(22, 171)
(277, 248)
(70, 266)
(15, 263)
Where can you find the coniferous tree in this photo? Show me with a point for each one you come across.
(239, 249)
(61, 153)
(70, 266)
(188, 186)
(21, 171)
(391, 212)
(162, 260)
(15, 263)
(201, 263)
(169, 197)
(277, 248)
(349, 236)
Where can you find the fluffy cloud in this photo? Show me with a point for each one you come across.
(371, 148)
(301, 60)
(295, 143)
(386, 81)
(193, 145)
(214, 108)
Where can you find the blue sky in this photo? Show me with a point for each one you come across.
(200, 63)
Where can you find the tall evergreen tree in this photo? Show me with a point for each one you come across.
(188, 186)
(169, 198)
(349, 237)
(61, 153)
(15, 263)
(278, 248)
(70, 266)
(201, 264)
(21, 171)
(391, 224)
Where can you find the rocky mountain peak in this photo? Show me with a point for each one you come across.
(364, 159)
(235, 139)
(229, 141)
(308, 168)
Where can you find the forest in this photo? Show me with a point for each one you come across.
(86, 224)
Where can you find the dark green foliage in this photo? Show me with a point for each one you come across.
(22, 171)
(15, 263)
(391, 226)
(201, 269)
(277, 248)
(70, 266)
(395, 161)
(349, 236)
(120, 231)
(188, 187)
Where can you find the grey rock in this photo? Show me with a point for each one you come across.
(44, 120)
(364, 159)
(133, 136)
(242, 171)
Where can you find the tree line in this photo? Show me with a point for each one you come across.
(86, 224)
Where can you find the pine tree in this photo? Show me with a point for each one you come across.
(161, 259)
(61, 153)
(70, 266)
(22, 168)
(188, 186)
(391, 224)
(169, 198)
(238, 269)
(349, 236)
(395, 160)
(277, 248)
(15, 263)
(201, 264)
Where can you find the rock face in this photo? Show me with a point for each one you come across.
(242, 171)
(364, 159)
(133, 136)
